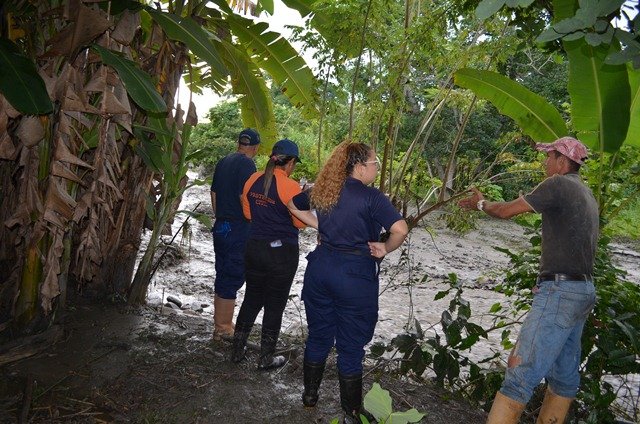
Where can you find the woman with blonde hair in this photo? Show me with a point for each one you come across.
(342, 304)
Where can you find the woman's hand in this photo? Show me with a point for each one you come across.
(397, 234)
(378, 249)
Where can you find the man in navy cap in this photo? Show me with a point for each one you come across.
(548, 345)
(231, 229)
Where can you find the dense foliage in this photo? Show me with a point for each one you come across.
(218, 137)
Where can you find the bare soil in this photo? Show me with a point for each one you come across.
(150, 366)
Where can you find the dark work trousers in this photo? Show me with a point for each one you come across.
(269, 273)
(229, 241)
(340, 295)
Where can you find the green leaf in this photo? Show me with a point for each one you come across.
(266, 5)
(633, 133)
(593, 39)
(270, 51)
(302, 6)
(518, 3)
(149, 151)
(495, 307)
(137, 82)
(569, 25)
(202, 218)
(378, 402)
(537, 117)
(563, 9)
(320, 21)
(605, 7)
(20, 83)
(548, 34)
(149, 206)
(441, 294)
(488, 8)
(255, 102)
(378, 349)
(628, 330)
(600, 97)
(198, 40)
(410, 416)
(404, 342)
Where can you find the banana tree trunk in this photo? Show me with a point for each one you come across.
(140, 284)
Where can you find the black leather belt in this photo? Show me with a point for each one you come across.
(564, 277)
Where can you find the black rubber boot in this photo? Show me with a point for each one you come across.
(313, 372)
(267, 349)
(240, 336)
(351, 398)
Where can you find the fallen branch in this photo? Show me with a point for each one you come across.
(30, 345)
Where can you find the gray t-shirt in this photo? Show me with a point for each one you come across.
(570, 224)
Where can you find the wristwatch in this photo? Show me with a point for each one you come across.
(480, 204)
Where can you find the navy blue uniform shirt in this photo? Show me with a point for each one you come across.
(357, 218)
(270, 217)
(229, 177)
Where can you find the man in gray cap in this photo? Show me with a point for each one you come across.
(548, 345)
(231, 229)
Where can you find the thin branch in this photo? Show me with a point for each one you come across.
(355, 76)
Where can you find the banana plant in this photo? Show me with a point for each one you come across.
(604, 93)
(74, 202)
(605, 97)
(257, 49)
(157, 147)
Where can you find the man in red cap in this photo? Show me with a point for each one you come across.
(548, 345)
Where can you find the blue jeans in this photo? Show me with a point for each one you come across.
(549, 342)
(229, 241)
(340, 295)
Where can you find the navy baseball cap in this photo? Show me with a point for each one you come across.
(249, 137)
(286, 147)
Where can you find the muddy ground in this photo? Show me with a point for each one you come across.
(150, 366)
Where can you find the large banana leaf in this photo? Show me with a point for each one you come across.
(255, 102)
(319, 21)
(600, 96)
(633, 133)
(537, 117)
(275, 55)
(20, 83)
(198, 40)
(137, 82)
(266, 5)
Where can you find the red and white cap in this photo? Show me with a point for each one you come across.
(568, 146)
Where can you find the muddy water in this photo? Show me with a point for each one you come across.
(410, 277)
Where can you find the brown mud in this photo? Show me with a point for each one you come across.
(150, 366)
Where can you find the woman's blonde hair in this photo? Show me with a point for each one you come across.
(343, 159)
